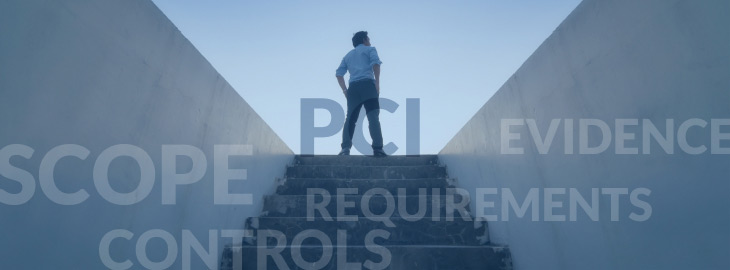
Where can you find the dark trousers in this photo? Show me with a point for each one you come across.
(372, 111)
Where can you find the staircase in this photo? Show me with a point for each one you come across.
(360, 212)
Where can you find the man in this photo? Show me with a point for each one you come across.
(363, 64)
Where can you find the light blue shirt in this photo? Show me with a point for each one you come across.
(359, 62)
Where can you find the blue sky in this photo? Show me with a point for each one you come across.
(452, 55)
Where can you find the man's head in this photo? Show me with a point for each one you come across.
(360, 38)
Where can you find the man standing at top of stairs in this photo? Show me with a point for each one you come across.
(363, 64)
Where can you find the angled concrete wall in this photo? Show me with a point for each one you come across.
(622, 59)
(101, 73)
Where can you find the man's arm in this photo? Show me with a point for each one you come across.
(340, 74)
(375, 62)
(341, 81)
(376, 70)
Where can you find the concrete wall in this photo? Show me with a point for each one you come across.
(655, 60)
(101, 73)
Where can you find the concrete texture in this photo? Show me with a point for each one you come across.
(100, 73)
(425, 229)
(656, 60)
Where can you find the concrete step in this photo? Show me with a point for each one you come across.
(443, 236)
(401, 257)
(363, 172)
(366, 160)
(414, 231)
(299, 186)
(296, 205)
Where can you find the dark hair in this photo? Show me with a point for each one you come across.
(359, 37)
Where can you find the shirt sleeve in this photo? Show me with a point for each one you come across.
(342, 69)
(374, 59)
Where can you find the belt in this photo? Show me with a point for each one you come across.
(363, 80)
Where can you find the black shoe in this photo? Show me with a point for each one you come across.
(344, 152)
(379, 153)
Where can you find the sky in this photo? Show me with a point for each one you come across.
(451, 55)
